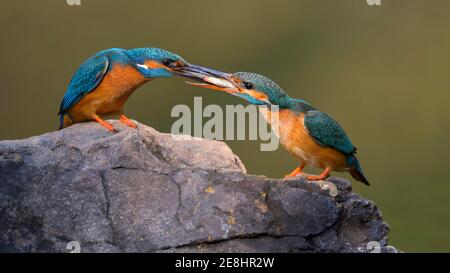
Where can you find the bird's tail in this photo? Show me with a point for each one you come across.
(64, 121)
(61, 121)
(355, 169)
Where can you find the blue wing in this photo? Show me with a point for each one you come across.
(327, 132)
(87, 78)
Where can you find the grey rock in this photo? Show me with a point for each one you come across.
(145, 191)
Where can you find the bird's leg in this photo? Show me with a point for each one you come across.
(127, 121)
(297, 171)
(324, 175)
(105, 124)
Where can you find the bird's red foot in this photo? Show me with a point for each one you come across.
(127, 122)
(105, 124)
(324, 175)
(297, 171)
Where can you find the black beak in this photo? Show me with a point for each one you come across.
(199, 73)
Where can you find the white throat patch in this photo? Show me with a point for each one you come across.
(143, 66)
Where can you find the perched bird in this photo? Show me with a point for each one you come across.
(103, 83)
(310, 136)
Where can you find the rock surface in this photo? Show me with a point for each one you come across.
(144, 191)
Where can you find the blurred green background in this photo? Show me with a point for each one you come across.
(381, 71)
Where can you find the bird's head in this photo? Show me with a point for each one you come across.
(254, 88)
(155, 62)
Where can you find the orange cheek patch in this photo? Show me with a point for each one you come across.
(179, 64)
(257, 95)
(154, 64)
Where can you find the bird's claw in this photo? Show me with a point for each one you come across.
(128, 122)
(110, 128)
(105, 124)
(290, 176)
(324, 175)
(313, 178)
(294, 173)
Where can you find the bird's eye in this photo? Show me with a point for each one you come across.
(248, 85)
(167, 62)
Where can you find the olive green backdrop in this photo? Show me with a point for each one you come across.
(381, 71)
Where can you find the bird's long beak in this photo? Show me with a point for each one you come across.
(209, 78)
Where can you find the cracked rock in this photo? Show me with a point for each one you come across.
(145, 191)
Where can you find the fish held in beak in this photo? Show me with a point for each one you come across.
(208, 78)
(216, 84)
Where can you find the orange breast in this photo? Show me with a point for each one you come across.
(110, 96)
(295, 139)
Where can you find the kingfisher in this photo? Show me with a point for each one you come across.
(309, 135)
(103, 83)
